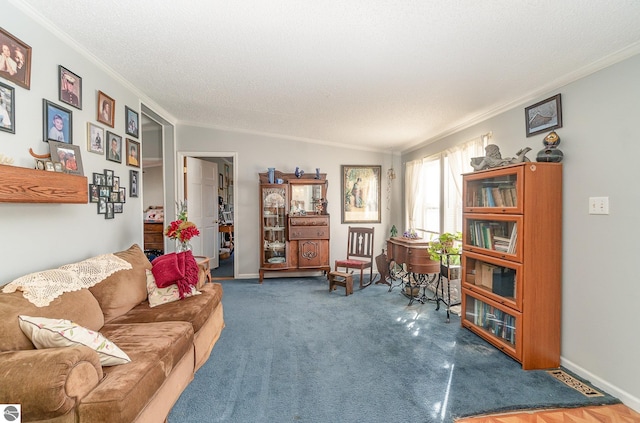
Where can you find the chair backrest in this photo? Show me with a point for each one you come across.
(360, 242)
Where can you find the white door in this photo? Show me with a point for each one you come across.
(202, 204)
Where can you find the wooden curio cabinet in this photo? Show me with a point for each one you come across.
(294, 225)
(511, 260)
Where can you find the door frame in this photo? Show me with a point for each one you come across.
(180, 156)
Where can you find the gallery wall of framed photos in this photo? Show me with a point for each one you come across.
(85, 129)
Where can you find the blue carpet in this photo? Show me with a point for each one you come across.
(294, 352)
(224, 269)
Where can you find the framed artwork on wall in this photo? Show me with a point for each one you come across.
(106, 109)
(57, 123)
(95, 138)
(69, 87)
(361, 194)
(132, 121)
(114, 152)
(15, 60)
(133, 153)
(7, 109)
(544, 116)
(68, 156)
(133, 183)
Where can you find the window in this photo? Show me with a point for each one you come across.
(433, 187)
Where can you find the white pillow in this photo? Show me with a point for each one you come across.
(158, 296)
(53, 333)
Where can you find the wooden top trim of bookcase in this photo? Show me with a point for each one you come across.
(22, 185)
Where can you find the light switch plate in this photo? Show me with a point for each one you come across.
(598, 205)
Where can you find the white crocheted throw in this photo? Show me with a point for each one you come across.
(41, 288)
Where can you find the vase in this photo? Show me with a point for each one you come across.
(182, 246)
(272, 174)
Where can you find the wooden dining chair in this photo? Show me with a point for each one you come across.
(359, 253)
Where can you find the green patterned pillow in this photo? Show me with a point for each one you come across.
(54, 333)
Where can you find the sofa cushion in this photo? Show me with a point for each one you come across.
(195, 310)
(125, 289)
(158, 296)
(79, 306)
(55, 333)
(154, 348)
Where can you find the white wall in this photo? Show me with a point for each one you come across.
(42, 236)
(255, 154)
(600, 140)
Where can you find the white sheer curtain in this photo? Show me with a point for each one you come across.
(458, 161)
(412, 194)
(421, 211)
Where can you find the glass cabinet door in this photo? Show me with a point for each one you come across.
(274, 224)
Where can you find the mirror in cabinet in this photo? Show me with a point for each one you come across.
(307, 196)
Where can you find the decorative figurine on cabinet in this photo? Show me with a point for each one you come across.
(494, 158)
(550, 152)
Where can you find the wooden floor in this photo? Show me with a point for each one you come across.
(618, 413)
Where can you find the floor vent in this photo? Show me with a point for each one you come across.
(574, 383)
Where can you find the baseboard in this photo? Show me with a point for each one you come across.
(628, 399)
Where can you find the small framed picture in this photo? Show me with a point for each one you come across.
(94, 193)
(117, 207)
(18, 60)
(116, 183)
(106, 109)
(95, 138)
(99, 179)
(133, 183)
(102, 205)
(57, 123)
(123, 195)
(68, 156)
(104, 191)
(133, 153)
(69, 87)
(108, 174)
(7, 109)
(114, 197)
(48, 166)
(132, 121)
(58, 167)
(114, 152)
(40, 164)
(544, 116)
(109, 213)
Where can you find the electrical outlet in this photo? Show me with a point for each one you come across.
(598, 205)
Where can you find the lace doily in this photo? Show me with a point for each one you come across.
(41, 288)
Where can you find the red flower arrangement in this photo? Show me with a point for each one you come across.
(182, 230)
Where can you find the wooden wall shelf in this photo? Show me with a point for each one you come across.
(22, 185)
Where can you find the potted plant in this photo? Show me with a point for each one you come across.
(446, 243)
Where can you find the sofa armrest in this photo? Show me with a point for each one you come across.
(49, 382)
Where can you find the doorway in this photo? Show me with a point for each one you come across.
(224, 265)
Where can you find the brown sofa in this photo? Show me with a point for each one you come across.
(166, 345)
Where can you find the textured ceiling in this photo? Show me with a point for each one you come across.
(381, 74)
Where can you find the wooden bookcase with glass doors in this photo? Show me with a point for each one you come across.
(511, 260)
(294, 225)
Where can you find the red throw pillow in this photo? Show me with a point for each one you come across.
(166, 270)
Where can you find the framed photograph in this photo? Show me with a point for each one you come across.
(7, 108)
(220, 181)
(94, 193)
(95, 138)
(104, 191)
(361, 194)
(106, 109)
(108, 174)
(114, 147)
(227, 175)
(57, 123)
(102, 205)
(133, 153)
(114, 197)
(132, 121)
(58, 167)
(123, 195)
(15, 60)
(99, 179)
(109, 212)
(48, 165)
(544, 116)
(116, 183)
(133, 183)
(68, 156)
(117, 207)
(69, 87)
